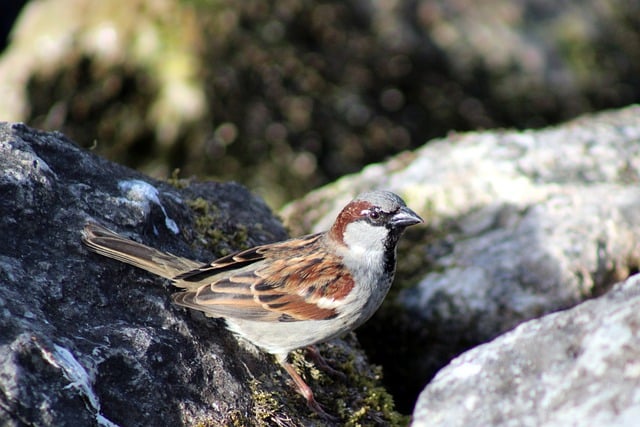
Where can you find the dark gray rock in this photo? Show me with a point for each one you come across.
(85, 340)
(580, 367)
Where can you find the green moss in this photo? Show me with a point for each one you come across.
(373, 404)
(359, 399)
(268, 409)
(206, 423)
(233, 418)
(219, 241)
(175, 181)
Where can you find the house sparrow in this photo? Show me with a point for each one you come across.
(291, 294)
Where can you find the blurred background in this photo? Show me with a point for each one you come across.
(284, 96)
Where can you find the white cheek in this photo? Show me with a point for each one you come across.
(363, 238)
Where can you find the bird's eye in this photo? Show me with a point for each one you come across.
(374, 214)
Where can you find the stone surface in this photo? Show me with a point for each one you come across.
(85, 340)
(520, 224)
(579, 367)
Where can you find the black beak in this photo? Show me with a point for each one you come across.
(405, 217)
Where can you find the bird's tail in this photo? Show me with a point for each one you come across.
(105, 242)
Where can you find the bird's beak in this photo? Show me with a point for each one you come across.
(405, 217)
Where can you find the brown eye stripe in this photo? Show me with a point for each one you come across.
(350, 213)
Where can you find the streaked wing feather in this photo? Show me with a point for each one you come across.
(255, 288)
(226, 308)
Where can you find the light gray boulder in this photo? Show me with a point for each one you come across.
(579, 367)
(520, 224)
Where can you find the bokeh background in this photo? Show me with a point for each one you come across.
(284, 96)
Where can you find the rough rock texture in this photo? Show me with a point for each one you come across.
(521, 224)
(579, 367)
(85, 340)
(317, 89)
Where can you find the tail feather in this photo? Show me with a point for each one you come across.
(105, 242)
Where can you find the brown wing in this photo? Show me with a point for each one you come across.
(283, 281)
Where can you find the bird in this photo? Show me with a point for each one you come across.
(290, 294)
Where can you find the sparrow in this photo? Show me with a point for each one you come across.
(290, 294)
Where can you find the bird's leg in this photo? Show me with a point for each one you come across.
(304, 389)
(321, 363)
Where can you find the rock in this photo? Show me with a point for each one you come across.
(578, 367)
(90, 341)
(520, 224)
